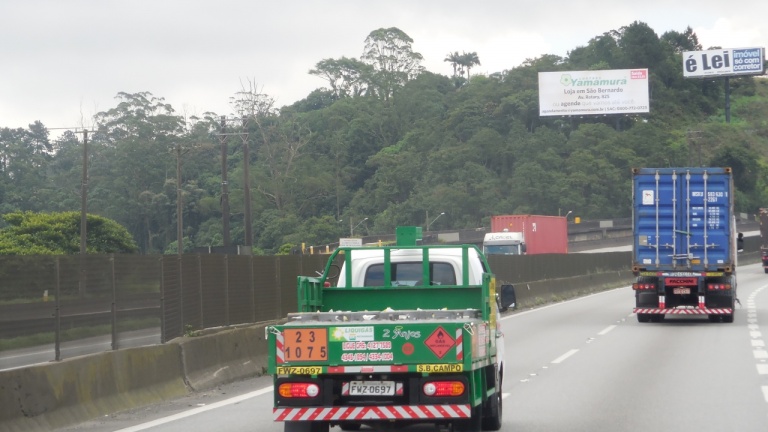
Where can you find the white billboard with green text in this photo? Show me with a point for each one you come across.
(619, 91)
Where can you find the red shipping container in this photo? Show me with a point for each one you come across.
(542, 234)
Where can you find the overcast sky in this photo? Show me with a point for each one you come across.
(62, 61)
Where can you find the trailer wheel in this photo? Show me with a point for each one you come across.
(765, 269)
(305, 426)
(472, 424)
(350, 426)
(714, 318)
(492, 408)
(643, 318)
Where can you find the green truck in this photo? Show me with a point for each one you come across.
(391, 336)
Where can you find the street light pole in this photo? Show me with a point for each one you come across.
(352, 230)
(433, 220)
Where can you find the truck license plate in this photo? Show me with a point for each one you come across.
(371, 388)
(681, 291)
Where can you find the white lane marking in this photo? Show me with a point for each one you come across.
(762, 369)
(758, 343)
(504, 395)
(606, 330)
(765, 393)
(199, 410)
(756, 334)
(563, 357)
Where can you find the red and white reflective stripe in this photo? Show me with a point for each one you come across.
(459, 344)
(366, 369)
(691, 311)
(279, 343)
(662, 302)
(702, 305)
(372, 412)
(399, 389)
(345, 389)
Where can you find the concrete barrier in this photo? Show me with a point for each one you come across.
(532, 294)
(55, 395)
(49, 396)
(223, 357)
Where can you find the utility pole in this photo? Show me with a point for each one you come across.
(247, 185)
(179, 204)
(224, 185)
(243, 134)
(84, 195)
(83, 216)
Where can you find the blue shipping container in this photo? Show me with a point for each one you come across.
(682, 219)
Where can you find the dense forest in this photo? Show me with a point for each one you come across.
(385, 143)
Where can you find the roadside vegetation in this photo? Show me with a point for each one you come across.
(382, 142)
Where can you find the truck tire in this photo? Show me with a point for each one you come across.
(305, 426)
(493, 410)
(472, 424)
(765, 269)
(643, 318)
(350, 426)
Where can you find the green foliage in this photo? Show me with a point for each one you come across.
(30, 233)
(384, 140)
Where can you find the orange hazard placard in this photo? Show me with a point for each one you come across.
(440, 342)
(305, 344)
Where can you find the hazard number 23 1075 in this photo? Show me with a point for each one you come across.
(305, 344)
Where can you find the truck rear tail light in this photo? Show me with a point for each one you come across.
(298, 390)
(443, 388)
(718, 287)
(643, 286)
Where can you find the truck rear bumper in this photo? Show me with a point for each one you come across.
(685, 311)
(347, 413)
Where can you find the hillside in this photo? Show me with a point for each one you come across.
(387, 143)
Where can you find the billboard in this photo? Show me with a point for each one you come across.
(723, 62)
(619, 91)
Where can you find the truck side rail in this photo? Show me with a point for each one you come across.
(315, 296)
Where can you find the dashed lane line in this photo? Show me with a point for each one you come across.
(565, 356)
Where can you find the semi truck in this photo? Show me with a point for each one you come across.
(684, 246)
(763, 219)
(526, 235)
(390, 336)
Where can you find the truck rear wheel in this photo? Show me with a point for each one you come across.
(472, 424)
(493, 409)
(643, 318)
(305, 426)
(765, 269)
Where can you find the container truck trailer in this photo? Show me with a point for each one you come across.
(684, 247)
(526, 235)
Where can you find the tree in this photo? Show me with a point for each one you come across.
(469, 60)
(390, 54)
(454, 59)
(347, 77)
(30, 233)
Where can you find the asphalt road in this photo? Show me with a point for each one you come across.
(582, 365)
(12, 359)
